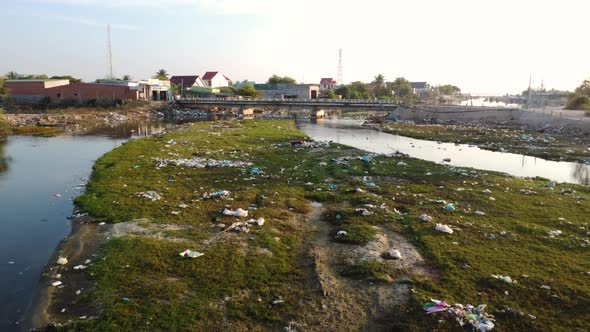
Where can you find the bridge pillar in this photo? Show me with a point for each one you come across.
(318, 114)
(246, 111)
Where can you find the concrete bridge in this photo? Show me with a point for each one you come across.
(316, 107)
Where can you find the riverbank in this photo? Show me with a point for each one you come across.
(548, 143)
(54, 121)
(321, 266)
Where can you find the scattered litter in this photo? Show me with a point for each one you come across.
(450, 207)
(395, 254)
(487, 191)
(342, 233)
(237, 213)
(554, 233)
(56, 283)
(443, 228)
(62, 261)
(102, 223)
(125, 300)
(546, 287)
(426, 218)
(506, 279)
(333, 187)
(80, 267)
(468, 314)
(175, 212)
(259, 221)
(183, 206)
(201, 163)
(363, 212)
(479, 213)
(191, 253)
(56, 195)
(78, 292)
(550, 184)
(256, 171)
(401, 163)
(150, 195)
(216, 195)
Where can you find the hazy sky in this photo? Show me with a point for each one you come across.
(481, 46)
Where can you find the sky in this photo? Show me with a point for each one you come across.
(482, 46)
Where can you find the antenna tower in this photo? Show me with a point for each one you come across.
(110, 53)
(339, 79)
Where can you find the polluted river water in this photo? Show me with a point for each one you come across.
(351, 132)
(40, 177)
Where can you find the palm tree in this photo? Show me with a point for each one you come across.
(379, 85)
(11, 75)
(161, 74)
(126, 78)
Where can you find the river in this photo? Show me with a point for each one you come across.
(351, 132)
(40, 177)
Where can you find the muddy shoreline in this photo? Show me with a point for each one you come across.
(50, 301)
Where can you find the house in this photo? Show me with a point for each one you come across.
(419, 88)
(215, 79)
(288, 90)
(36, 90)
(186, 82)
(327, 84)
(155, 90)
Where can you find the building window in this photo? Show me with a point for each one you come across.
(75, 94)
(59, 95)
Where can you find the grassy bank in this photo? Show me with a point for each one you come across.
(533, 143)
(261, 280)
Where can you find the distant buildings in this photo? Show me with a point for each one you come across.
(215, 79)
(419, 88)
(186, 82)
(327, 84)
(35, 91)
(288, 90)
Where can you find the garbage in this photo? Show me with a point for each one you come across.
(259, 221)
(546, 287)
(468, 314)
(237, 213)
(80, 267)
(443, 228)
(554, 233)
(102, 223)
(506, 279)
(370, 184)
(150, 195)
(550, 184)
(62, 261)
(342, 233)
(198, 162)
(401, 163)
(395, 254)
(333, 187)
(256, 171)
(487, 191)
(479, 213)
(56, 283)
(216, 195)
(448, 160)
(191, 254)
(366, 159)
(435, 306)
(363, 212)
(449, 207)
(56, 195)
(425, 218)
(125, 300)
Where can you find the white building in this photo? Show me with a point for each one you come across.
(215, 79)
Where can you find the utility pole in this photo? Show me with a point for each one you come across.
(530, 97)
(339, 78)
(109, 52)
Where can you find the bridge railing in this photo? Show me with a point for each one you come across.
(291, 100)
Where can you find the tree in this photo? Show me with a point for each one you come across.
(401, 87)
(161, 74)
(175, 88)
(355, 90)
(580, 98)
(2, 88)
(11, 75)
(247, 90)
(449, 90)
(126, 77)
(274, 79)
(379, 86)
(67, 77)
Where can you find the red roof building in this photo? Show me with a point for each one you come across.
(215, 79)
(327, 84)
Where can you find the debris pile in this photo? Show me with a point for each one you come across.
(199, 162)
(150, 195)
(476, 317)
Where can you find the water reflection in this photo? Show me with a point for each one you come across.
(3, 158)
(129, 129)
(350, 132)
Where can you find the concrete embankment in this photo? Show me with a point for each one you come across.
(486, 114)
